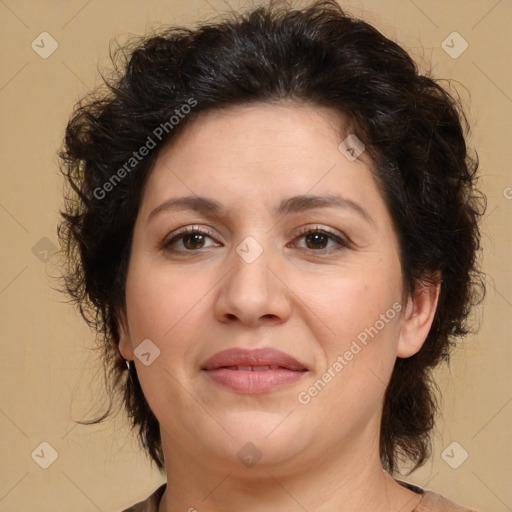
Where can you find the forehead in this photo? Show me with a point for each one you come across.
(253, 157)
(264, 130)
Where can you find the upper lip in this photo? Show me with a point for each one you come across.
(255, 357)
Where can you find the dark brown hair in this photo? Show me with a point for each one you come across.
(414, 132)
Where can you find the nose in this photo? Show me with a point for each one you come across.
(253, 293)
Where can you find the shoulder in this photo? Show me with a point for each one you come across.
(431, 502)
(150, 504)
(435, 502)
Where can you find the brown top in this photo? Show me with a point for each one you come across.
(431, 502)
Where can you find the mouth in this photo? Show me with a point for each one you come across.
(260, 368)
(253, 371)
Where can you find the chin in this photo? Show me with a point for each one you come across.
(260, 439)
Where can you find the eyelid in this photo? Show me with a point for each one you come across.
(185, 230)
(340, 238)
(316, 227)
(336, 235)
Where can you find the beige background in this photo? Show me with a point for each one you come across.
(49, 375)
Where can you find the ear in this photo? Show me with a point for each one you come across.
(125, 343)
(418, 317)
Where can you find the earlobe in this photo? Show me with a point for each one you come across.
(125, 344)
(418, 317)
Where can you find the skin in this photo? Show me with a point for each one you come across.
(307, 301)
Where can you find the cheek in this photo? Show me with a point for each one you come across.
(156, 299)
(361, 302)
(167, 307)
(359, 357)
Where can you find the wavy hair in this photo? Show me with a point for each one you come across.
(413, 129)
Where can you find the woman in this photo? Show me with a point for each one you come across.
(273, 226)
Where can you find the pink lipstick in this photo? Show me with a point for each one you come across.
(253, 371)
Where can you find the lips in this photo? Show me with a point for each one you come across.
(256, 359)
(253, 371)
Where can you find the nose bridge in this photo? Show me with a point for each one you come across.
(250, 275)
(250, 290)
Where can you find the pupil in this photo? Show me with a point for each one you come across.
(193, 243)
(318, 237)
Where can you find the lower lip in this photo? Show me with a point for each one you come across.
(251, 382)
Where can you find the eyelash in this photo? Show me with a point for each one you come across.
(180, 234)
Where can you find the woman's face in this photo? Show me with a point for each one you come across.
(331, 301)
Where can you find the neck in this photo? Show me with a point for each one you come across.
(354, 484)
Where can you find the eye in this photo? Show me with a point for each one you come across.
(190, 238)
(193, 238)
(318, 238)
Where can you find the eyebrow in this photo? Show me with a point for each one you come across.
(295, 204)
